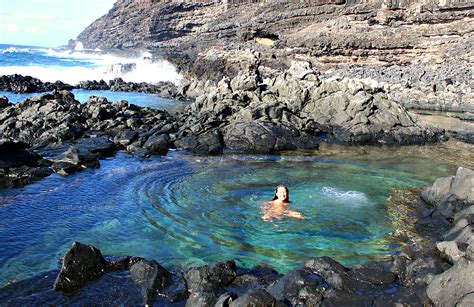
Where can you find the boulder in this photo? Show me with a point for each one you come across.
(256, 277)
(451, 204)
(453, 286)
(81, 265)
(158, 144)
(335, 274)
(25, 174)
(201, 298)
(151, 276)
(126, 137)
(64, 168)
(433, 195)
(460, 185)
(79, 155)
(99, 146)
(463, 184)
(461, 232)
(421, 271)
(300, 287)
(255, 297)
(450, 251)
(225, 299)
(4, 102)
(15, 154)
(210, 277)
(208, 142)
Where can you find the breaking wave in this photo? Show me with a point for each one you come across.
(71, 66)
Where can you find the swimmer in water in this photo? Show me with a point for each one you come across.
(278, 206)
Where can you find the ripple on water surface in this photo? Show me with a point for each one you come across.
(188, 210)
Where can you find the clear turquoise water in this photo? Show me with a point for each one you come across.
(186, 210)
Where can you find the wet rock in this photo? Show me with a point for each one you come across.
(151, 276)
(25, 174)
(99, 146)
(451, 287)
(201, 298)
(335, 274)
(402, 297)
(299, 287)
(126, 137)
(64, 168)
(259, 137)
(158, 144)
(210, 277)
(81, 264)
(15, 154)
(79, 155)
(256, 277)
(374, 276)
(4, 102)
(255, 297)
(138, 151)
(421, 271)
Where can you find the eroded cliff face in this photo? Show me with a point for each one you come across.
(416, 44)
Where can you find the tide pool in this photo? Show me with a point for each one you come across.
(185, 209)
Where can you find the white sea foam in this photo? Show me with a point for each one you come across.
(14, 49)
(349, 197)
(97, 67)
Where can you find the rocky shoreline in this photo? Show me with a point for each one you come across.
(440, 273)
(259, 110)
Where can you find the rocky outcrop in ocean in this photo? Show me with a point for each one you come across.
(439, 274)
(164, 89)
(26, 84)
(72, 136)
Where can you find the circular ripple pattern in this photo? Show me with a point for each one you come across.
(211, 209)
(184, 210)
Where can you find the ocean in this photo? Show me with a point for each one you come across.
(72, 66)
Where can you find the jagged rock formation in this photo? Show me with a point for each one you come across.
(264, 110)
(26, 84)
(433, 35)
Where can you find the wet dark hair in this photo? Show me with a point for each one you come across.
(287, 192)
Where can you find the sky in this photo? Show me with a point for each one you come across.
(47, 23)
